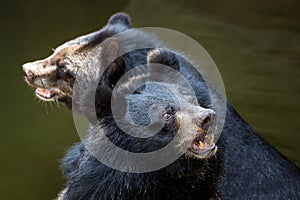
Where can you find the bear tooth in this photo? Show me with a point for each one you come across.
(212, 138)
(201, 144)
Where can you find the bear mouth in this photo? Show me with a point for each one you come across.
(46, 94)
(41, 92)
(203, 147)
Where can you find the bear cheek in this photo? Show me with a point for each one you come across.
(183, 121)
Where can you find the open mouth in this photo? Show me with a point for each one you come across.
(45, 94)
(203, 147)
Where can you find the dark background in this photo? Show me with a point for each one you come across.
(255, 44)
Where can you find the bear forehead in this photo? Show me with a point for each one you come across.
(146, 101)
(154, 93)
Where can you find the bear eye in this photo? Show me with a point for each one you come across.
(193, 101)
(60, 64)
(166, 116)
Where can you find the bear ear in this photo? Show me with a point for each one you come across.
(116, 69)
(120, 18)
(164, 57)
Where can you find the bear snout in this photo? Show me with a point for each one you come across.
(28, 72)
(39, 68)
(205, 119)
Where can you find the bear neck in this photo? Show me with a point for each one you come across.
(94, 180)
(186, 178)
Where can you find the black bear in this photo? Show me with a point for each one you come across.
(194, 175)
(55, 75)
(253, 168)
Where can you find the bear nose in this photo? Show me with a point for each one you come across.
(27, 71)
(206, 119)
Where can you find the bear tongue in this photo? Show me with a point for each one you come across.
(45, 93)
(198, 146)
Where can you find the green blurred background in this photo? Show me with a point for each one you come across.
(255, 44)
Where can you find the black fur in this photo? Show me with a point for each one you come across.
(184, 179)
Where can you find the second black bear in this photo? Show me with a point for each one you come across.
(194, 175)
